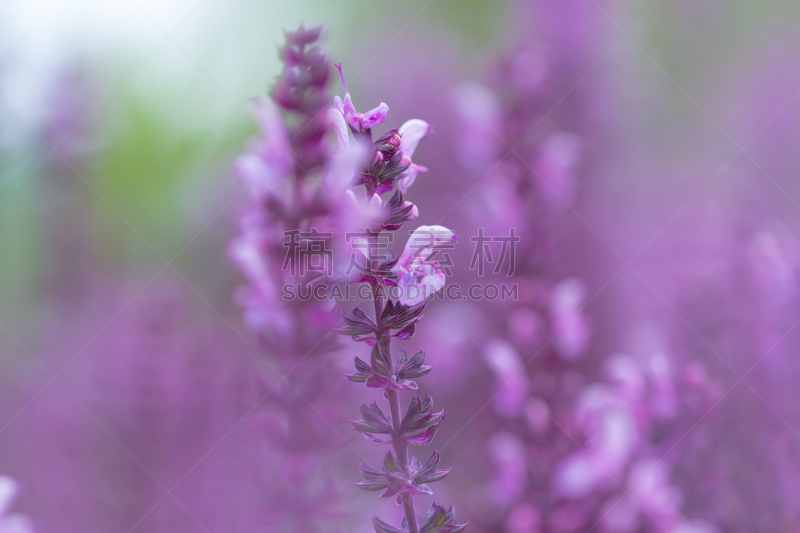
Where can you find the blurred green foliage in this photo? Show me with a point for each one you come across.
(143, 174)
(169, 135)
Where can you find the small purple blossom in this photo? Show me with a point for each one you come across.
(416, 273)
(359, 122)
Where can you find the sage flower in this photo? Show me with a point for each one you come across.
(387, 167)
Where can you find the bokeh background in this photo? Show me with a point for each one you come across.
(665, 135)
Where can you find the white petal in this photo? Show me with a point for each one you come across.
(340, 128)
(8, 492)
(411, 294)
(412, 133)
(343, 167)
(17, 523)
(435, 234)
(576, 476)
(503, 359)
(433, 282)
(409, 176)
(572, 330)
(695, 526)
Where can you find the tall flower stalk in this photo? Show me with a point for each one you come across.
(581, 444)
(285, 170)
(398, 288)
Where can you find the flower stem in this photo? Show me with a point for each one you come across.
(398, 442)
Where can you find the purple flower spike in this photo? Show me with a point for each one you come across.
(386, 166)
(299, 180)
(282, 170)
(572, 451)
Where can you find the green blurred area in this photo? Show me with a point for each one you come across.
(166, 127)
(168, 133)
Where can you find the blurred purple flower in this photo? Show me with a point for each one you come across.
(509, 455)
(571, 331)
(559, 155)
(298, 180)
(11, 522)
(512, 382)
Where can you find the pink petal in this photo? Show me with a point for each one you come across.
(250, 170)
(414, 213)
(374, 117)
(348, 110)
(409, 176)
(433, 281)
(270, 121)
(415, 291)
(343, 166)
(338, 104)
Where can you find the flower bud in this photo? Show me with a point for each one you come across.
(389, 144)
(414, 213)
(393, 143)
(378, 164)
